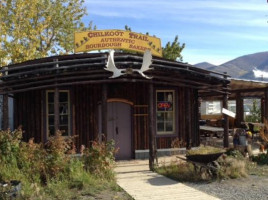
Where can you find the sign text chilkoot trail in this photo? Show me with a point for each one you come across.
(116, 39)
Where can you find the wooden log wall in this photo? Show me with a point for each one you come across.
(28, 113)
(85, 100)
(187, 123)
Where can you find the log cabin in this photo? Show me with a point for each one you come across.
(75, 94)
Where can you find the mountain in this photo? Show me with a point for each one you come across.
(241, 67)
(205, 65)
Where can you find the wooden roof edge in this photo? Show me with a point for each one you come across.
(72, 57)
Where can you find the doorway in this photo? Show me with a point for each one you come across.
(119, 128)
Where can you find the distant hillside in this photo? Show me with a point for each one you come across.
(242, 67)
(205, 65)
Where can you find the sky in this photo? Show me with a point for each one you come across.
(213, 31)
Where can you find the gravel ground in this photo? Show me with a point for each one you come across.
(250, 188)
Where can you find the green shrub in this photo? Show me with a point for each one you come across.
(10, 145)
(47, 170)
(235, 153)
(184, 172)
(99, 159)
(231, 167)
(261, 159)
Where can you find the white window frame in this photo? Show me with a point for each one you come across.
(68, 113)
(165, 111)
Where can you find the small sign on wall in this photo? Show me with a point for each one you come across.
(228, 112)
(164, 105)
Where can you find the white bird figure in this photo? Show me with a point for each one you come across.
(110, 66)
(147, 61)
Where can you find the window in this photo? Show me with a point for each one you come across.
(64, 112)
(252, 110)
(232, 105)
(165, 111)
(211, 107)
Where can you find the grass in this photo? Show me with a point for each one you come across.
(204, 150)
(79, 184)
(230, 165)
(49, 172)
(259, 170)
(181, 171)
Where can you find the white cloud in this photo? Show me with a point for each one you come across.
(207, 12)
(214, 31)
(259, 73)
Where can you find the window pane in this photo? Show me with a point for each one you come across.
(50, 108)
(252, 110)
(50, 97)
(51, 120)
(160, 127)
(160, 96)
(169, 116)
(51, 130)
(232, 105)
(211, 107)
(169, 97)
(64, 130)
(160, 117)
(63, 97)
(63, 108)
(169, 126)
(63, 119)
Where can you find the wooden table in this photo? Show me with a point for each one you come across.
(211, 131)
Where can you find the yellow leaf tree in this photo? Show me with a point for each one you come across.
(31, 29)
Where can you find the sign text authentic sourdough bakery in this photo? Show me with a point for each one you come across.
(116, 39)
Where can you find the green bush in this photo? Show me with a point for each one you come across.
(10, 145)
(235, 153)
(99, 159)
(231, 167)
(261, 159)
(49, 168)
(181, 171)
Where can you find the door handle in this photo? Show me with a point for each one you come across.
(116, 130)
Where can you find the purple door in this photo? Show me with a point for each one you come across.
(119, 128)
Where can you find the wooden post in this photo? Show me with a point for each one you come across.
(196, 118)
(239, 110)
(226, 118)
(188, 119)
(265, 106)
(262, 110)
(152, 149)
(5, 112)
(56, 110)
(56, 105)
(104, 111)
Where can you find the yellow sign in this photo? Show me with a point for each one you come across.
(116, 39)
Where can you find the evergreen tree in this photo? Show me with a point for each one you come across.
(171, 51)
